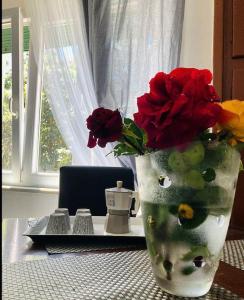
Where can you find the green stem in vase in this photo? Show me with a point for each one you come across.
(133, 145)
(168, 268)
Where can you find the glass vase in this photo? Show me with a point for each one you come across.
(187, 196)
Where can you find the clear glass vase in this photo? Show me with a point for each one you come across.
(187, 197)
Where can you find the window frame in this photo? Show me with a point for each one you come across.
(25, 123)
(14, 16)
(31, 175)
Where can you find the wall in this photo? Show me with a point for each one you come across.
(197, 39)
(14, 3)
(28, 204)
(197, 44)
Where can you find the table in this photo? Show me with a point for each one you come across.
(15, 248)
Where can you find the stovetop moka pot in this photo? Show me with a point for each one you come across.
(118, 202)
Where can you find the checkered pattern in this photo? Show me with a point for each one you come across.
(233, 253)
(95, 246)
(111, 276)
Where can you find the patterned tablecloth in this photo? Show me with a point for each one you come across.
(54, 248)
(233, 251)
(117, 276)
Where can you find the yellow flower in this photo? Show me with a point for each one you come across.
(232, 118)
(185, 211)
(232, 142)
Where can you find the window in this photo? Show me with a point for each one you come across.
(12, 101)
(32, 148)
(53, 152)
(7, 97)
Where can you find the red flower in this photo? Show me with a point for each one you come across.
(180, 105)
(105, 126)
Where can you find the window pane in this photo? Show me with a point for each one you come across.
(26, 42)
(53, 153)
(26, 68)
(6, 97)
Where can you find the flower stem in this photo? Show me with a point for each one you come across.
(133, 145)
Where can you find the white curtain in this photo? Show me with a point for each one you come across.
(101, 53)
(130, 41)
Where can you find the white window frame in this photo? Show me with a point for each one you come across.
(14, 16)
(25, 128)
(31, 176)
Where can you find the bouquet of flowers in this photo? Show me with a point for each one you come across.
(187, 145)
(181, 107)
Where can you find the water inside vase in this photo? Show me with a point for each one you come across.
(184, 260)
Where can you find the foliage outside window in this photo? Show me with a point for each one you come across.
(52, 151)
(6, 111)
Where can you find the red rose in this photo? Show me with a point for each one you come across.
(180, 105)
(105, 126)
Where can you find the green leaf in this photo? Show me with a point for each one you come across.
(212, 194)
(123, 149)
(144, 137)
(188, 237)
(218, 201)
(134, 135)
(196, 251)
(130, 124)
(188, 270)
(130, 133)
(128, 145)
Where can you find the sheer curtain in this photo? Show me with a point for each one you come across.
(130, 41)
(101, 53)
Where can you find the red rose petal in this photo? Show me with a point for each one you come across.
(181, 75)
(105, 126)
(91, 141)
(157, 86)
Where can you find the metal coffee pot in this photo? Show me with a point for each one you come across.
(118, 202)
